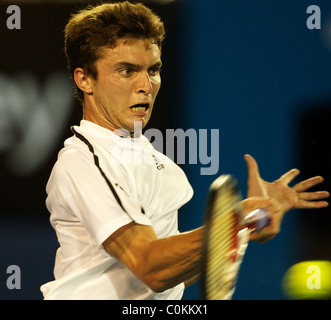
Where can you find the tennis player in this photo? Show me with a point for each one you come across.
(116, 219)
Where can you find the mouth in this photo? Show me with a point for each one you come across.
(140, 107)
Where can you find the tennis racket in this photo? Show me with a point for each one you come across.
(226, 238)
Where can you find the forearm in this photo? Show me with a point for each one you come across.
(160, 263)
(174, 260)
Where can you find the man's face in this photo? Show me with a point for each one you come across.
(127, 84)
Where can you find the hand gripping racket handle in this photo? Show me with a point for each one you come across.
(257, 220)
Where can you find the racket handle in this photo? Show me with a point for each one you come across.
(257, 219)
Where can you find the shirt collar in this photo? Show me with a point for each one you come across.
(102, 132)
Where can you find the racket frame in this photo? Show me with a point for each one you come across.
(224, 183)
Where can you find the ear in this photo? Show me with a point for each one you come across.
(83, 81)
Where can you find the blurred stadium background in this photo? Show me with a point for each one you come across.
(249, 68)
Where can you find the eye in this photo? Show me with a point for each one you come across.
(126, 72)
(154, 71)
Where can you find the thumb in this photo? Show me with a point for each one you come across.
(252, 167)
(255, 185)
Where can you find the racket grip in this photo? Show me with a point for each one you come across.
(257, 219)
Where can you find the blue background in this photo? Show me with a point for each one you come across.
(249, 66)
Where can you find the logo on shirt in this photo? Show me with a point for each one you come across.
(159, 165)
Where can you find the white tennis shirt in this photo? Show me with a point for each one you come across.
(100, 183)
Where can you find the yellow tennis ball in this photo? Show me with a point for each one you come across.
(308, 280)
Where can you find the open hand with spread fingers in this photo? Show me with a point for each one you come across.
(287, 198)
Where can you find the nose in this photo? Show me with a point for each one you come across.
(144, 84)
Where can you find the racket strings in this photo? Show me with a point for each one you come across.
(221, 269)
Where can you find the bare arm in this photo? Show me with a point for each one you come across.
(161, 264)
(164, 263)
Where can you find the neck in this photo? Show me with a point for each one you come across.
(91, 115)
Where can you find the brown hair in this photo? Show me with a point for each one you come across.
(101, 26)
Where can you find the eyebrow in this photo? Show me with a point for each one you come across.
(135, 66)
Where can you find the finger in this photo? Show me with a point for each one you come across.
(287, 177)
(313, 195)
(311, 204)
(306, 184)
(252, 167)
(251, 163)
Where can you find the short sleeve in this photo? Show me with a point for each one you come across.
(98, 202)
